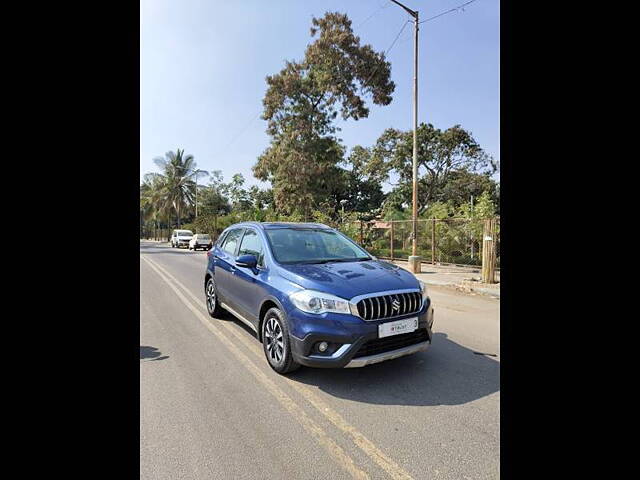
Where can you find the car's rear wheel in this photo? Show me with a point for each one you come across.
(213, 306)
(276, 343)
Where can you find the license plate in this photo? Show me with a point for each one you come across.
(397, 327)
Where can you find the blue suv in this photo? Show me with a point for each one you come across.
(314, 297)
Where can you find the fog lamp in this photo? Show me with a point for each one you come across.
(323, 346)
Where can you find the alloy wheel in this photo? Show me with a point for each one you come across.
(274, 339)
(211, 296)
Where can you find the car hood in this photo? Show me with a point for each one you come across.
(351, 279)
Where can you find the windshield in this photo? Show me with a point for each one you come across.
(311, 245)
(185, 233)
(203, 237)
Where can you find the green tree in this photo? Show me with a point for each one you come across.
(463, 185)
(362, 192)
(177, 185)
(301, 104)
(154, 203)
(212, 198)
(440, 155)
(238, 196)
(261, 199)
(483, 207)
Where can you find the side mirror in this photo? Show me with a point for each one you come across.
(248, 261)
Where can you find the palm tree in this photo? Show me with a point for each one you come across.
(153, 204)
(176, 187)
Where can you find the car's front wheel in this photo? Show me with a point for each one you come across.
(276, 343)
(213, 306)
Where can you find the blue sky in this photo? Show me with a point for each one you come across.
(203, 65)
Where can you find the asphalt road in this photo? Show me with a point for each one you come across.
(211, 408)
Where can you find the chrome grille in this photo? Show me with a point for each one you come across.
(389, 306)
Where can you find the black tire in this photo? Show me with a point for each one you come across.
(278, 354)
(213, 305)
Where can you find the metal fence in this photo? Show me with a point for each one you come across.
(454, 241)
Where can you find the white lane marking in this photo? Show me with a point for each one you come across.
(293, 408)
(394, 470)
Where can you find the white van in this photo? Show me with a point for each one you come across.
(181, 238)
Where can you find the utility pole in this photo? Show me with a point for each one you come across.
(196, 173)
(414, 259)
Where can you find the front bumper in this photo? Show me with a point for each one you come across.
(381, 357)
(349, 335)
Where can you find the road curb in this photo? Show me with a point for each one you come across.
(492, 289)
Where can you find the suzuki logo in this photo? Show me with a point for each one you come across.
(395, 305)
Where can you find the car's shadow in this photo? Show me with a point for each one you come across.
(446, 374)
(150, 354)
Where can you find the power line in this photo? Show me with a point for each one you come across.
(382, 7)
(395, 39)
(253, 119)
(454, 9)
(386, 52)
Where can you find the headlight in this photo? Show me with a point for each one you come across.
(311, 301)
(423, 287)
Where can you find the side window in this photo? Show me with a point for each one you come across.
(231, 241)
(221, 238)
(252, 245)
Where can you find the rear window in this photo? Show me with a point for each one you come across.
(185, 233)
(203, 237)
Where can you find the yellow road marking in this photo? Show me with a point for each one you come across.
(296, 411)
(394, 470)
